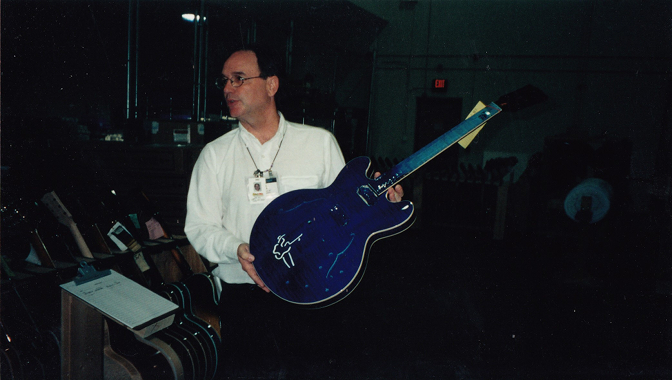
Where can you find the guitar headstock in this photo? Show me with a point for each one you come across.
(54, 204)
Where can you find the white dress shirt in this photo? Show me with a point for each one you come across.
(219, 215)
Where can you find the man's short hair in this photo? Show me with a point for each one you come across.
(268, 61)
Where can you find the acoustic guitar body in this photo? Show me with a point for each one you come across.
(311, 246)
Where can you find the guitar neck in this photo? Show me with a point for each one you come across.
(79, 239)
(181, 262)
(54, 204)
(427, 153)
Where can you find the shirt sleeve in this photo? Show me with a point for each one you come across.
(203, 224)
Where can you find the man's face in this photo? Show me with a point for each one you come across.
(254, 96)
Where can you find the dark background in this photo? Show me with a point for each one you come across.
(452, 298)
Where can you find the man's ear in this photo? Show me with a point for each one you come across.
(272, 84)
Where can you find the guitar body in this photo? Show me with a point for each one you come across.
(188, 349)
(204, 302)
(203, 336)
(311, 246)
(152, 357)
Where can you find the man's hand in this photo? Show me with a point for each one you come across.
(246, 259)
(394, 193)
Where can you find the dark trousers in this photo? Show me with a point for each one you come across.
(253, 329)
(263, 334)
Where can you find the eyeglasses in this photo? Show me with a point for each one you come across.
(236, 81)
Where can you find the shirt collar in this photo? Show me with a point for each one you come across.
(249, 139)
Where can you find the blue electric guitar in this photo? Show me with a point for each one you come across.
(311, 246)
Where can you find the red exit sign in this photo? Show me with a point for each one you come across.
(440, 85)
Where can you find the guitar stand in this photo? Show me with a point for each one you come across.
(82, 336)
(85, 349)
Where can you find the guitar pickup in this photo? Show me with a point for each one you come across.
(338, 215)
(367, 194)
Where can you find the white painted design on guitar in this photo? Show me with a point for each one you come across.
(284, 255)
(340, 253)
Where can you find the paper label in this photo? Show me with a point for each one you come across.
(154, 228)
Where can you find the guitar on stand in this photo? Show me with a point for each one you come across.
(311, 246)
(171, 353)
(61, 213)
(185, 350)
(165, 354)
(29, 340)
(192, 342)
(176, 352)
(195, 293)
(34, 236)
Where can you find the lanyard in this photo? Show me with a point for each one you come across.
(258, 173)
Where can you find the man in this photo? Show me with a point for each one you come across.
(266, 152)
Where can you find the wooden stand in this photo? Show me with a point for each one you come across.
(82, 335)
(85, 351)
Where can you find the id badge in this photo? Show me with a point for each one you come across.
(256, 190)
(271, 187)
